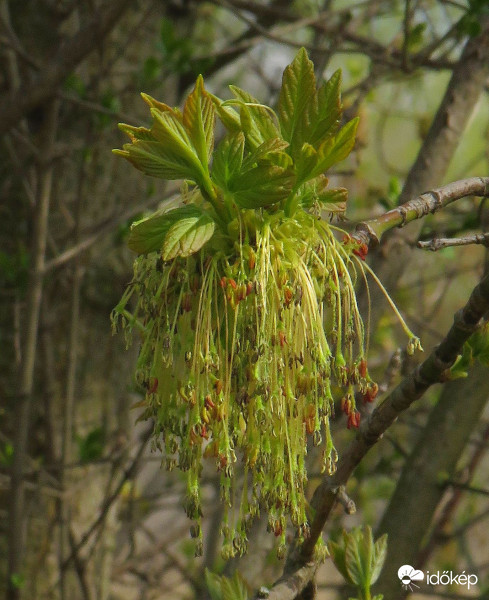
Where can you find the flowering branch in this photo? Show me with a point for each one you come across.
(370, 232)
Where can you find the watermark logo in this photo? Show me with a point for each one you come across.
(408, 575)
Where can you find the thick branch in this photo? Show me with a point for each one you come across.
(33, 93)
(370, 232)
(290, 586)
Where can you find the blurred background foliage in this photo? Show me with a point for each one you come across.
(93, 516)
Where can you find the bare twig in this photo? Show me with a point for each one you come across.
(22, 410)
(439, 243)
(109, 501)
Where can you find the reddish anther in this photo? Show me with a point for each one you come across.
(362, 368)
(223, 282)
(152, 385)
(361, 251)
(353, 419)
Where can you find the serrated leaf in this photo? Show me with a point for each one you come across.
(305, 163)
(337, 148)
(228, 159)
(199, 118)
(136, 133)
(233, 589)
(161, 106)
(261, 186)
(187, 236)
(148, 235)
(153, 159)
(273, 146)
(337, 551)
(329, 110)
(229, 117)
(297, 105)
(332, 200)
(213, 583)
(357, 564)
(171, 132)
(256, 121)
(378, 558)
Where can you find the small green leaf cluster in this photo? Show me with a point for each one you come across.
(475, 348)
(244, 296)
(226, 588)
(359, 559)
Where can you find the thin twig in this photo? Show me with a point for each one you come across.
(439, 243)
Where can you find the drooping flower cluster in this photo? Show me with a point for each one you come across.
(244, 297)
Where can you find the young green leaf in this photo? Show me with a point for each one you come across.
(297, 105)
(329, 110)
(337, 148)
(305, 163)
(357, 559)
(188, 235)
(199, 118)
(228, 159)
(261, 186)
(148, 234)
(153, 158)
(213, 583)
(228, 115)
(256, 121)
(137, 133)
(273, 146)
(337, 551)
(331, 200)
(378, 558)
(161, 106)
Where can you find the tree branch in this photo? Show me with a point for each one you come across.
(370, 232)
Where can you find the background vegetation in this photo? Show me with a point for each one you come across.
(85, 511)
